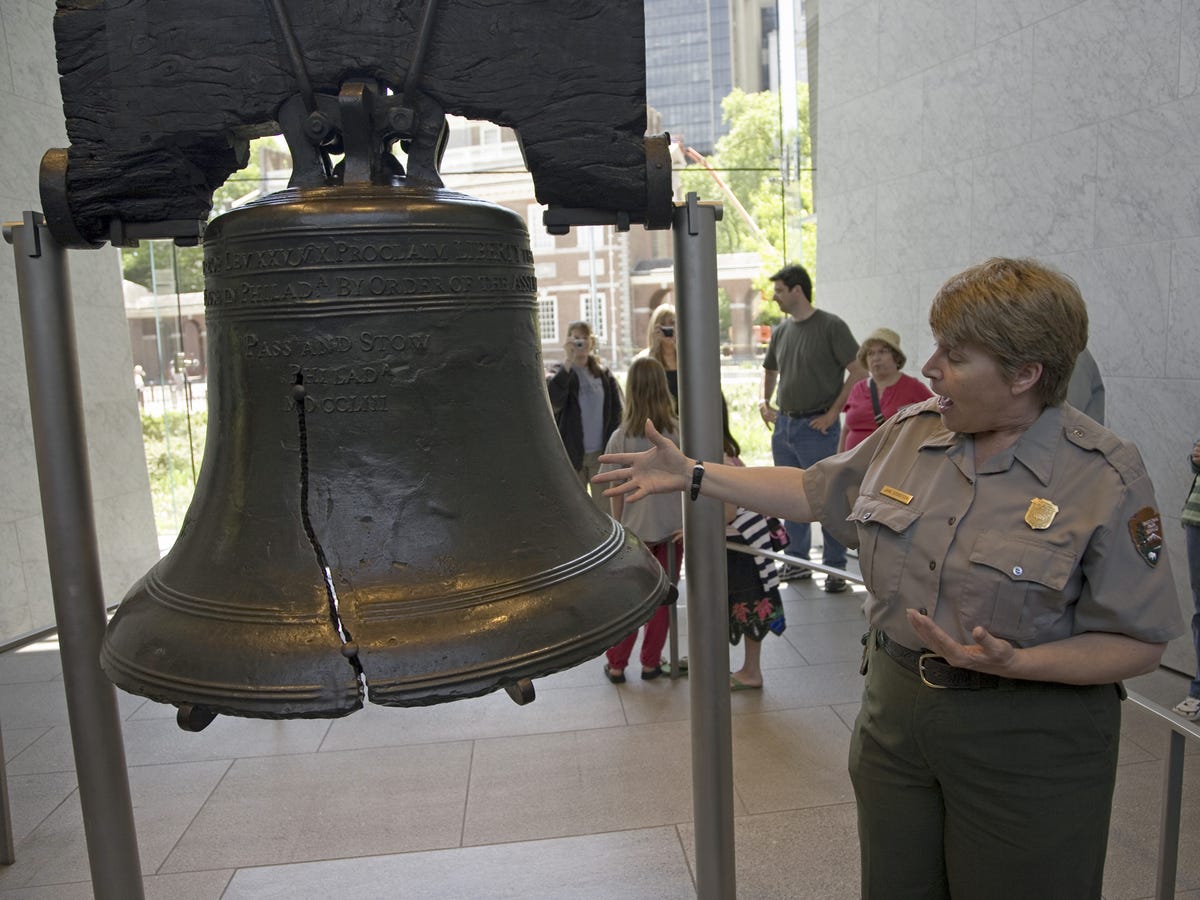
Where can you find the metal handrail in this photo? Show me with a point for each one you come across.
(1172, 794)
(794, 560)
(1181, 730)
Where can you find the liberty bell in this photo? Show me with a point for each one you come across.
(384, 506)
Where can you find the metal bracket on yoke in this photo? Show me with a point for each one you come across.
(656, 216)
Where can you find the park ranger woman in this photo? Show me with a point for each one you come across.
(1013, 552)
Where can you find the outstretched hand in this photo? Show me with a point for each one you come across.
(660, 470)
(988, 654)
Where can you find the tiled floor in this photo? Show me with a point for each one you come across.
(586, 793)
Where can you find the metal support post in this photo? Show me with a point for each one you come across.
(56, 410)
(1172, 809)
(673, 619)
(704, 550)
(7, 854)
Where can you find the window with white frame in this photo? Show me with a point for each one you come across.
(547, 313)
(590, 237)
(539, 237)
(593, 310)
(589, 267)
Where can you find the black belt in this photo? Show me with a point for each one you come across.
(935, 672)
(811, 414)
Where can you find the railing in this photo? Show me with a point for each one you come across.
(1181, 730)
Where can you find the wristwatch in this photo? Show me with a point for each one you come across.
(697, 477)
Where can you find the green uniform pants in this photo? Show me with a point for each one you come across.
(982, 795)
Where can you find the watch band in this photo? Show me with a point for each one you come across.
(697, 477)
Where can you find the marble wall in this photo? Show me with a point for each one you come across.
(1068, 130)
(31, 110)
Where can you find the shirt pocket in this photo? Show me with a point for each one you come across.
(1016, 588)
(884, 541)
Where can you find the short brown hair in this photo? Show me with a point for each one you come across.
(795, 275)
(1020, 311)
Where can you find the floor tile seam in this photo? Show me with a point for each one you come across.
(449, 848)
(43, 733)
(170, 851)
(133, 713)
(795, 624)
(687, 859)
(325, 736)
(1154, 754)
(47, 724)
(778, 709)
(763, 813)
(1156, 764)
(429, 741)
(596, 729)
(567, 835)
(363, 749)
(1161, 748)
(466, 800)
(22, 682)
(231, 758)
(15, 762)
(74, 792)
(23, 890)
(806, 665)
(310, 860)
(738, 799)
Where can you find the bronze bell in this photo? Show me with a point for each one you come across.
(384, 500)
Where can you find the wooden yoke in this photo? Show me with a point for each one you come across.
(162, 96)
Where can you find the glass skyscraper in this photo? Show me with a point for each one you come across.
(689, 67)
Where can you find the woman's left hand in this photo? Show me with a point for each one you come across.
(988, 654)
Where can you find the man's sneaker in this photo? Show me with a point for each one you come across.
(1188, 707)
(835, 585)
(791, 572)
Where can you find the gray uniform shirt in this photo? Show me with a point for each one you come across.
(935, 532)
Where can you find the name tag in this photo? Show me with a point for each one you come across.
(896, 494)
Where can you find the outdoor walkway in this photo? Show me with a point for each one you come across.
(583, 795)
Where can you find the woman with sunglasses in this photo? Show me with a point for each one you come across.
(660, 345)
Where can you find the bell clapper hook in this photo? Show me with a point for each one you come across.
(194, 718)
(522, 692)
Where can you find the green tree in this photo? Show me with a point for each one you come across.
(768, 174)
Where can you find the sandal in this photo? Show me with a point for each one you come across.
(735, 685)
(614, 677)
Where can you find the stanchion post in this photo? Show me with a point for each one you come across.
(60, 444)
(1172, 810)
(704, 549)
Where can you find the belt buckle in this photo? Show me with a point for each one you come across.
(921, 670)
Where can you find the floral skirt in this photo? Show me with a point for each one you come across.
(752, 611)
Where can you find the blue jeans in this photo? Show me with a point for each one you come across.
(796, 443)
(1193, 554)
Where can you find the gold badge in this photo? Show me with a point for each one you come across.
(1040, 513)
(896, 494)
(1145, 527)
